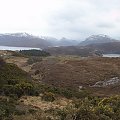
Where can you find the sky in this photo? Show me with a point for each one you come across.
(73, 19)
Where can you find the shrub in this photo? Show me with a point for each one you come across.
(32, 60)
(7, 108)
(48, 96)
(20, 112)
(32, 111)
(35, 53)
(2, 62)
(8, 89)
(17, 54)
(24, 89)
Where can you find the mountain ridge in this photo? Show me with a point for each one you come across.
(97, 39)
(28, 40)
(23, 40)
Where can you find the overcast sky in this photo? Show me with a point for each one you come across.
(74, 19)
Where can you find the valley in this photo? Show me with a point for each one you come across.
(60, 83)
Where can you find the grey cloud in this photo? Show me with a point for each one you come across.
(106, 25)
(94, 17)
(75, 19)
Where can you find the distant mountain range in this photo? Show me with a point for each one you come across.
(27, 40)
(23, 40)
(61, 42)
(100, 43)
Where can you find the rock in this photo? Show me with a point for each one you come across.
(80, 88)
(112, 81)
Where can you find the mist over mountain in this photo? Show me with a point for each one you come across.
(61, 42)
(67, 42)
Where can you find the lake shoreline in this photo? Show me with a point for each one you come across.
(17, 48)
(111, 55)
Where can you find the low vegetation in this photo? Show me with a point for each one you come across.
(23, 98)
(34, 53)
(30, 53)
(89, 108)
(34, 59)
(72, 73)
(14, 81)
(73, 50)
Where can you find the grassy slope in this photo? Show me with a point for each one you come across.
(11, 72)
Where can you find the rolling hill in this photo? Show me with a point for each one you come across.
(80, 72)
(106, 48)
(73, 50)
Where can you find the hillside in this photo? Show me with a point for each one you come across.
(72, 71)
(73, 50)
(78, 72)
(106, 48)
(60, 88)
(97, 39)
(11, 72)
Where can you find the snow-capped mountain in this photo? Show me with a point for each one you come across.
(23, 40)
(16, 34)
(97, 39)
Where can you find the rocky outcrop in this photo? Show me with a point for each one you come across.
(112, 81)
